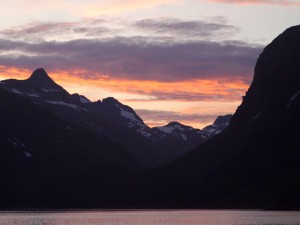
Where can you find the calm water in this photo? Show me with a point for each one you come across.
(151, 218)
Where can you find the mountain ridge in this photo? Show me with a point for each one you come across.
(108, 117)
(253, 162)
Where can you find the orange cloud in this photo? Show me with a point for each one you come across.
(13, 72)
(219, 90)
(195, 103)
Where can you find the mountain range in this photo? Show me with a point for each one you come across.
(110, 118)
(63, 151)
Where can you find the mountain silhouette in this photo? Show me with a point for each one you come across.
(109, 118)
(46, 161)
(64, 151)
(254, 162)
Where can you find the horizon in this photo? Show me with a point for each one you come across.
(186, 61)
(137, 111)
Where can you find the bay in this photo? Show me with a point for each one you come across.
(181, 217)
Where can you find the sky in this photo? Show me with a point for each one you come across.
(172, 60)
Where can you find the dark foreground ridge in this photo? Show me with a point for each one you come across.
(253, 163)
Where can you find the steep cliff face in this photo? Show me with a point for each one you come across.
(276, 82)
(254, 162)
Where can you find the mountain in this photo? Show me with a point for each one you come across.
(48, 162)
(63, 151)
(110, 118)
(254, 163)
(219, 125)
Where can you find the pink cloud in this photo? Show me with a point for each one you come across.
(244, 2)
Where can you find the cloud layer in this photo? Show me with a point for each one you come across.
(173, 59)
(135, 58)
(157, 117)
(274, 2)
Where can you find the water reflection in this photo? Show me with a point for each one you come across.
(208, 217)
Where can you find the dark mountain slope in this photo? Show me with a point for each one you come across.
(47, 162)
(109, 118)
(254, 163)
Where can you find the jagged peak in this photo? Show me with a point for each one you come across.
(174, 123)
(174, 126)
(40, 74)
(115, 102)
(40, 78)
(81, 98)
(110, 100)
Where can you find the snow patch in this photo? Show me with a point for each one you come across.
(167, 130)
(46, 90)
(66, 104)
(183, 137)
(255, 117)
(144, 133)
(211, 130)
(20, 143)
(16, 91)
(131, 116)
(128, 115)
(218, 131)
(131, 124)
(84, 100)
(69, 128)
(295, 96)
(16, 142)
(27, 154)
(32, 95)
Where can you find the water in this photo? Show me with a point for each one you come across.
(203, 217)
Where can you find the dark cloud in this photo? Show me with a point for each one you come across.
(136, 58)
(172, 28)
(190, 28)
(33, 29)
(44, 30)
(168, 116)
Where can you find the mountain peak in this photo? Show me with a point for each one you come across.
(110, 100)
(40, 78)
(40, 74)
(174, 123)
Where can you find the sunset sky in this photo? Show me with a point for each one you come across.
(169, 60)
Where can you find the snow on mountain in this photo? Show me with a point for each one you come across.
(175, 127)
(46, 90)
(15, 91)
(65, 104)
(219, 125)
(168, 129)
(84, 99)
(181, 131)
(293, 98)
(32, 95)
(111, 118)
